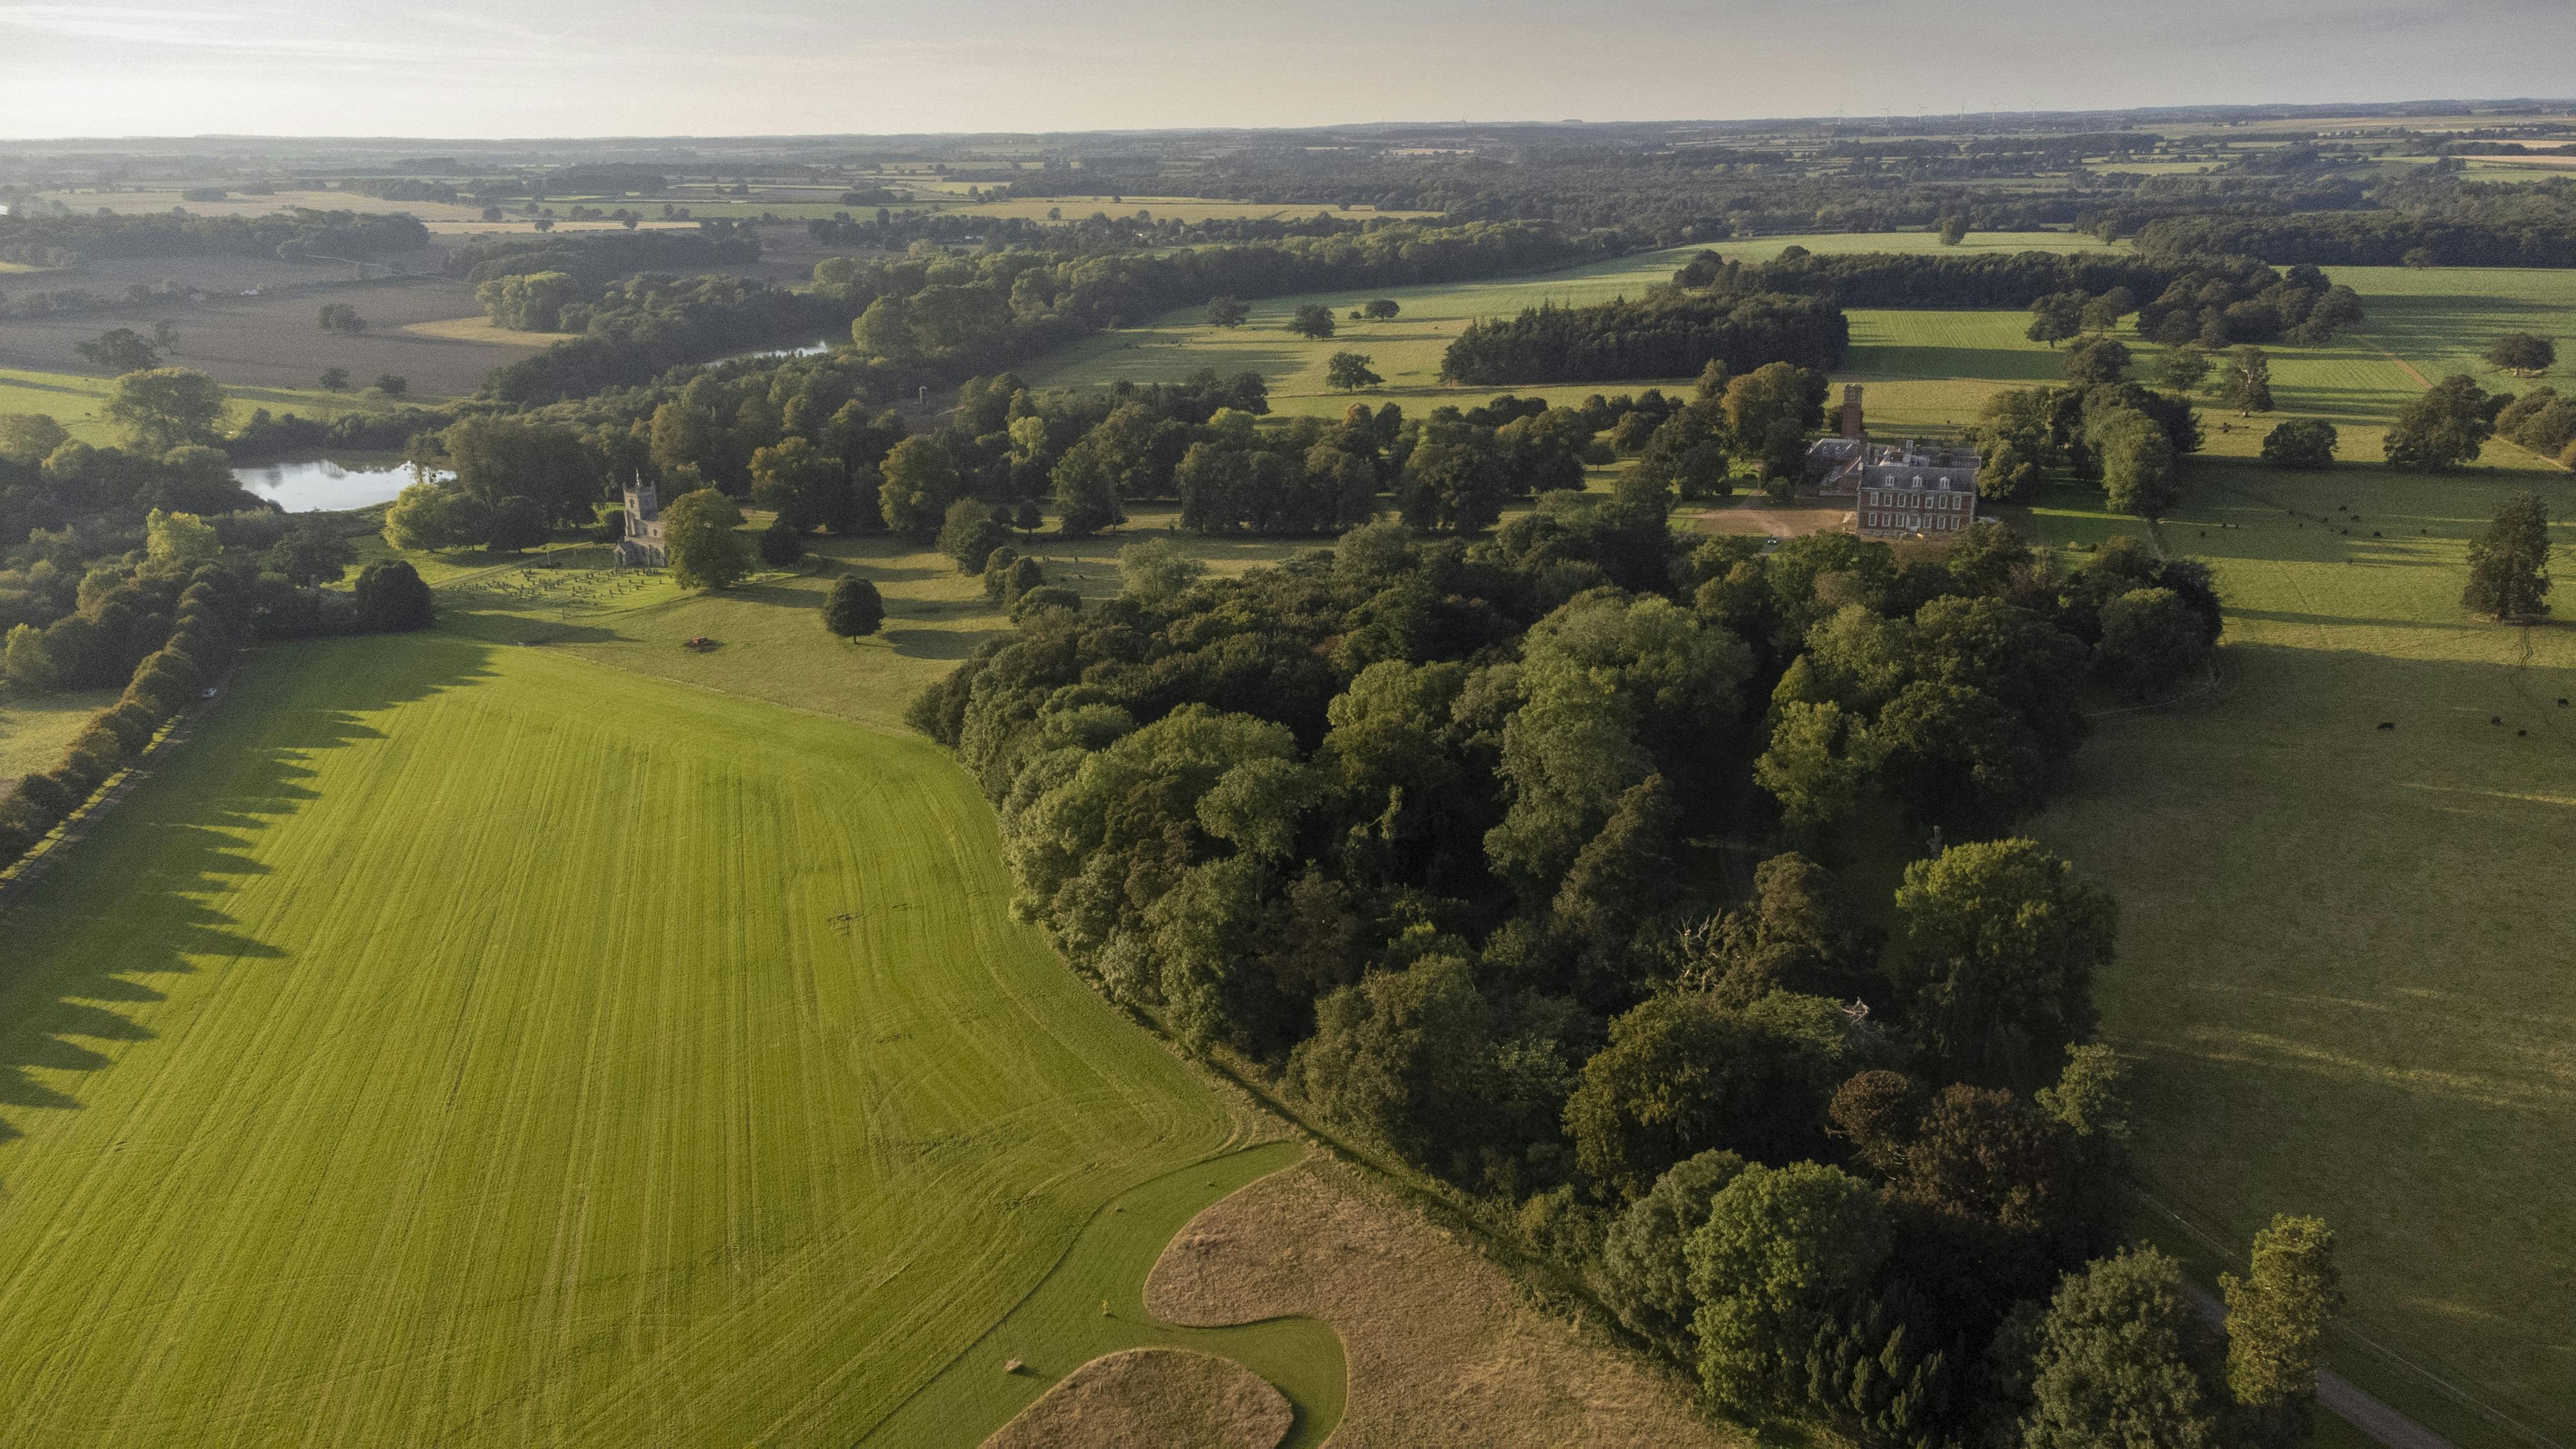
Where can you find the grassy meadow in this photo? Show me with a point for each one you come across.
(74, 399)
(35, 728)
(309, 1141)
(2343, 947)
(1406, 350)
(770, 642)
(2342, 956)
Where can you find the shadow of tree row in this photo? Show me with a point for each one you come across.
(140, 900)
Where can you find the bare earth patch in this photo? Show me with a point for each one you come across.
(1762, 517)
(1442, 1349)
(1153, 1396)
(484, 330)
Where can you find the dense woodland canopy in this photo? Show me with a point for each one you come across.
(1410, 826)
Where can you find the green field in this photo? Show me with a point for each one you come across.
(2343, 962)
(74, 399)
(751, 1114)
(2344, 950)
(770, 643)
(34, 728)
(1407, 350)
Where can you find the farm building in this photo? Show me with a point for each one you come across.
(1896, 489)
(642, 545)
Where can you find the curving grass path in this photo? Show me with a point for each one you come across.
(468, 1044)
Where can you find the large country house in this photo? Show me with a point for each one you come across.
(1897, 490)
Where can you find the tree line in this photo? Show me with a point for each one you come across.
(1666, 334)
(2362, 239)
(292, 235)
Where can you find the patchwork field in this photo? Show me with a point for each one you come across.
(271, 341)
(310, 1142)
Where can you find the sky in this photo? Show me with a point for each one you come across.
(561, 68)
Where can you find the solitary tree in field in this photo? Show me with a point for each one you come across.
(853, 608)
(2097, 361)
(2523, 355)
(1382, 309)
(2509, 563)
(342, 318)
(1954, 230)
(2056, 317)
(1350, 372)
(2444, 429)
(1228, 311)
(2301, 443)
(165, 408)
(392, 384)
(2185, 368)
(391, 597)
(2246, 384)
(120, 349)
(335, 379)
(1313, 321)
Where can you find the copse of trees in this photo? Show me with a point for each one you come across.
(2541, 420)
(1665, 335)
(1399, 824)
(2123, 436)
(2214, 298)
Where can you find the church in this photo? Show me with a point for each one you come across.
(641, 547)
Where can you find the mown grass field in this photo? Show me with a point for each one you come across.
(461, 1043)
(770, 640)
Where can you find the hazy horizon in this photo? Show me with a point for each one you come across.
(532, 69)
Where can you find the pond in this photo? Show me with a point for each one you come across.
(810, 349)
(322, 484)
